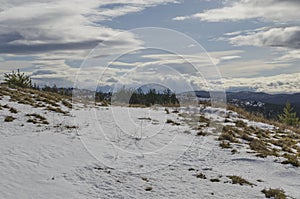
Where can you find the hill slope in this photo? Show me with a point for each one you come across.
(49, 150)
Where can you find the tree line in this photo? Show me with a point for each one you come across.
(147, 98)
(129, 96)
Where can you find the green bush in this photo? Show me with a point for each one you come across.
(17, 79)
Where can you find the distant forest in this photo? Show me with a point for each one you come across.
(124, 96)
(139, 97)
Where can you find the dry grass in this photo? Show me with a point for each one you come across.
(261, 118)
(36, 98)
(234, 151)
(247, 137)
(145, 118)
(291, 159)
(225, 145)
(169, 121)
(229, 136)
(67, 104)
(239, 180)
(201, 133)
(286, 144)
(145, 179)
(201, 175)
(261, 148)
(71, 127)
(50, 102)
(13, 110)
(135, 105)
(37, 119)
(167, 111)
(262, 134)
(203, 119)
(240, 123)
(58, 110)
(9, 119)
(6, 106)
(274, 193)
(215, 180)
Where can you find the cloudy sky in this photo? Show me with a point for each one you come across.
(239, 44)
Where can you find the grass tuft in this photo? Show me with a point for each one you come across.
(169, 121)
(239, 180)
(240, 123)
(201, 175)
(58, 110)
(37, 119)
(274, 193)
(215, 180)
(9, 119)
(13, 110)
(261, 148)
(225, 145)
(291, 159)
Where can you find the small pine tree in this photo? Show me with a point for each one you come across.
(289, 117)
(17, 79)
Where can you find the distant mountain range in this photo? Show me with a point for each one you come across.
(270, 105)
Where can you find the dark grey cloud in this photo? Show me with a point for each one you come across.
(34, 26)
(287, 37)
(7, 48)
(43, 72)
(9, 37)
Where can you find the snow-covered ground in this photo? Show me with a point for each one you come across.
(121, 152)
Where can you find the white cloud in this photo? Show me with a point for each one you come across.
(8, 66)
(285, 41)
(240, 68)
(226, 58)
(36, 26)
(210, 58)
(288, 37)
(290, 55)
(283, 83)
(57, 31)
(268, 10)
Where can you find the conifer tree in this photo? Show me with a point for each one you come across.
(17, 79)
(288, 116)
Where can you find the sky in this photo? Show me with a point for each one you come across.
(237, 45)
